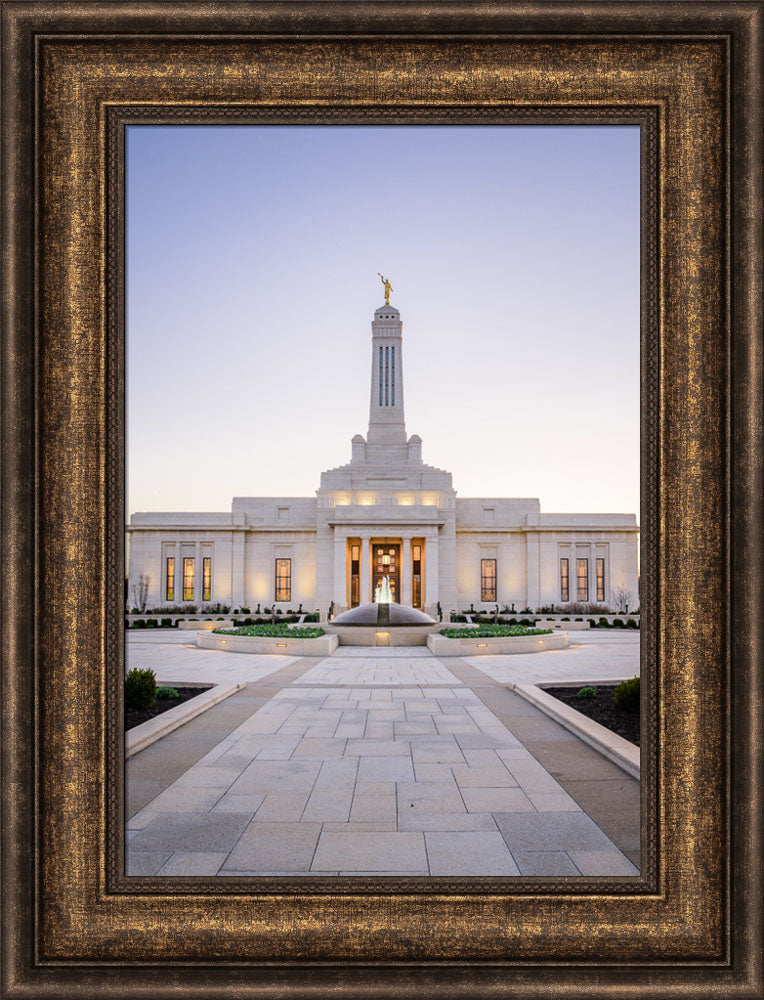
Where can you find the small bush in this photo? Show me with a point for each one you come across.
(618, 623)
(139, 623)
(626, 695)
(525, 621)
(630, 623)
(592, 623)
(565, 619)
(166, 692)
(604, 623)
(140, 688)
(579, 619)
(586, 693)
(166, 623)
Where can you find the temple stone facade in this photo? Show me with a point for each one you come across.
(384, 513)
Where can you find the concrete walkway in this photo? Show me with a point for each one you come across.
(378, 761)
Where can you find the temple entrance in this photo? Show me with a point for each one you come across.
(386, 561)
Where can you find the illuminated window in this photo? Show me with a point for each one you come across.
(355, 575)
(392, 378)
(207, 578)
(169, 591)
(600, 579)
(387, 376)
(380, 376)
(188, 579)
(487, 579)
(582, 573)
(564, 582)
(416, 576)
(283, 579)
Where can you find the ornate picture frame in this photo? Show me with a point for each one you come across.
(75, 75)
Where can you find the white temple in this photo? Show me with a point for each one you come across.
(384, 513)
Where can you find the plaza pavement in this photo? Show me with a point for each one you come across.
(379, 761)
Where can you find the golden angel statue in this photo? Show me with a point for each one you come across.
(388, 289)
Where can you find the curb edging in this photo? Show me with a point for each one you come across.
(149, 732)
(618, 750)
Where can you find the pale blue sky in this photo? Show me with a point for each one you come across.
(253, 255)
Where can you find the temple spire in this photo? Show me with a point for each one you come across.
(386, 420)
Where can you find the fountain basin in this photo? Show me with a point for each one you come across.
(383, 624)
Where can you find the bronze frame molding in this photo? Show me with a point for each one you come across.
(71, 73)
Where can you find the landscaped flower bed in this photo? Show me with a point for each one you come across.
(601, 708)
(492, 631)
(273, 631)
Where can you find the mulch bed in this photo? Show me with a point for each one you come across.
(601, 709)
(135, 716)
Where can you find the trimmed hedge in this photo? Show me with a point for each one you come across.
(626, 695)
(140, 688)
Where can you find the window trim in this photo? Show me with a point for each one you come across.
(192, 576)
(283, 588)
(169, 578)
(488, 594)
(582, 593)
(206, 578)
(600, 578)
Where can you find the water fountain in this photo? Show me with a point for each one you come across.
(374, 623)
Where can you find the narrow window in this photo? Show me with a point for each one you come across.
(487, 579)
(416, 576)
(355, 575)
(564, 583)
(207, 578)
(582, 570)
(387, 376)
(188, 579)
(392, 374)
(169, 592)
(283, 579)
(601, 580)
(380, 376)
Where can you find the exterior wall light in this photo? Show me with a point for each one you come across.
(281, 645)
(482, 644)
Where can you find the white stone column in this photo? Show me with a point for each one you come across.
(532, 600)
(339, 593)
(406, 571)
(431, 572)
(237, 569)
(365, 570)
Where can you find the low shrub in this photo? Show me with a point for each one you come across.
(565, 619)
(525, 621)
(587, 692)
(152, 623)
(592, 623)
(491, 631)
(279, 631)
(166, 623)
(166, 692)
(604, 623)
(618, 623)
(626, 695)
(140, 688)
(630, 623)
(139, 623)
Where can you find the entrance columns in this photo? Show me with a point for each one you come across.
(340, 586)
(431, 573)
(365, 569)
(406, 571)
